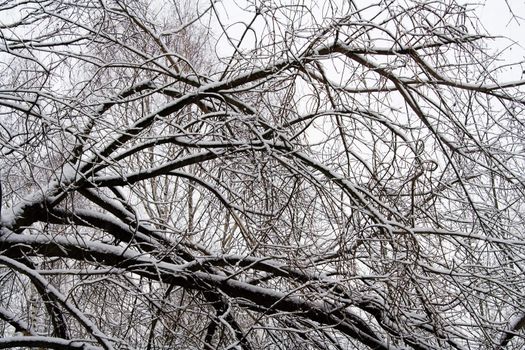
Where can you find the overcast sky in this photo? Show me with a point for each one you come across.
(497, 19)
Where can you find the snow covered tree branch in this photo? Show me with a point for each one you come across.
(259, 175)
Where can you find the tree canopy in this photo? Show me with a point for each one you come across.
(259, 175)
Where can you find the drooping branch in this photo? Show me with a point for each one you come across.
(260, 298)
(45, 342)
(58, 297)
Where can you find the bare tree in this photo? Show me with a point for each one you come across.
(258, 175)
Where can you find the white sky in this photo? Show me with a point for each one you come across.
(498, 20)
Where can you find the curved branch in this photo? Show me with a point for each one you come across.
(19, 324)
(45, 342)
(259, 298)
(37, 279)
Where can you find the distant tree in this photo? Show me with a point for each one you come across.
(258, 175)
